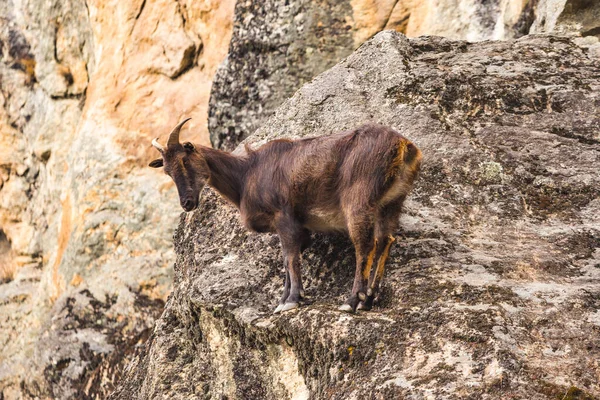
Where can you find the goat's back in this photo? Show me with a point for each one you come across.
(319, 172)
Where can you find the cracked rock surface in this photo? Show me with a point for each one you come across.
(85, 227)
(492, 289)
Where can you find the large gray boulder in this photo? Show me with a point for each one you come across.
(278, 46)
(493, 287)
(275, 48)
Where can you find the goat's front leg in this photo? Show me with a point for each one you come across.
(361, 232)
(293, 238)
(286, 286)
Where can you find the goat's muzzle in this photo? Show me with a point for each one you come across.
(189, 204)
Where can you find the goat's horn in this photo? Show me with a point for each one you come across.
(158, 145)
(174, 136)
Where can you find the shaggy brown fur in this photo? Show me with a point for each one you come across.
(354, 181)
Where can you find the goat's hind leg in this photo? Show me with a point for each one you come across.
(385, 226)
(361, 230)
(373, 286)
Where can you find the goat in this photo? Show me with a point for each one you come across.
(354, 181)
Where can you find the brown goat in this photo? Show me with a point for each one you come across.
(354, 181)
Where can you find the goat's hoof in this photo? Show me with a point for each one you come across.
(346, 308)
(361, 296)
(366, 304)
(278, 309)
(288, 306)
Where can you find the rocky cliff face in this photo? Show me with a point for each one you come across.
(492, 290)
(86, 228)
(277, 47)
(577, 18)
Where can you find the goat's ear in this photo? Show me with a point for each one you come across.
(156, 163)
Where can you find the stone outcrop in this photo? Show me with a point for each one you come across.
(577, 18)
(471, 20)
(86, 228)
(276, 47)
(492, 288)
(568, 17)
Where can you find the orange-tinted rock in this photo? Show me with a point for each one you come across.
(85, 87)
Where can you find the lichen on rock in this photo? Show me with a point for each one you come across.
(492, 290)
(277, 47)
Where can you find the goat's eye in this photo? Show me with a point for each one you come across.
(188, 145)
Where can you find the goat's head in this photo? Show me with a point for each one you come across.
(185, 165)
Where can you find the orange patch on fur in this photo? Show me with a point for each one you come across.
(416, 164)
(382, 259)
(407, 162)
(398, 159)
(366, 272)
